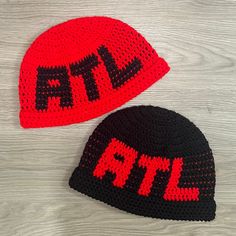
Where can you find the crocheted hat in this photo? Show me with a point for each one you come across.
(83, 68)
(149, 161)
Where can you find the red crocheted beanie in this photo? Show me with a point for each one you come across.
(83, 68)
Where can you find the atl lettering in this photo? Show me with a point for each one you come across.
(122, 169)
(54, 81)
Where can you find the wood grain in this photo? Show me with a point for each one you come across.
(196, 37)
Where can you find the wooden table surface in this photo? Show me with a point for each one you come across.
(196, 37)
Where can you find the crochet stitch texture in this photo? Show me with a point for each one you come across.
(83, 68)
(149, 161)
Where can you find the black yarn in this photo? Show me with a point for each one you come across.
(156, 132)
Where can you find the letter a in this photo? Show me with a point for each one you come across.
(53, 82)
(109, 162)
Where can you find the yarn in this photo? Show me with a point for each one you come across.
(83, 68)
(149, 161)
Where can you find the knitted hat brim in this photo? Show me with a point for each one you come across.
(139, 205)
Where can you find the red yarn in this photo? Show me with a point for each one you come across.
(109, 162)
(152, 165)
(173, 192)
(83, 68)
(120, 168)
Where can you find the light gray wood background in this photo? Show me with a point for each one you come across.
(196, 37)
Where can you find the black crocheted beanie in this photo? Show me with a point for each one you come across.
(149, 161)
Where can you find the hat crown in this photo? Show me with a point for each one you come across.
(83, 68)
(158, 130)
(149, 161)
